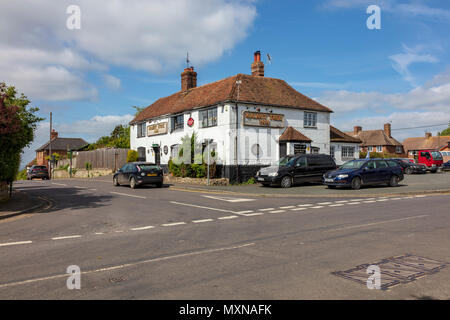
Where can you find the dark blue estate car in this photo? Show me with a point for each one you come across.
(357, 173)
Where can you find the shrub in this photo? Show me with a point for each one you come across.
(22, 175)
(132, 156)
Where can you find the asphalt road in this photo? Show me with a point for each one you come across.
(153, 243)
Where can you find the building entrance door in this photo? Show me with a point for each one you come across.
(157, 155)
(283, 150)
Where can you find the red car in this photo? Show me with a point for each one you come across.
(430, 158)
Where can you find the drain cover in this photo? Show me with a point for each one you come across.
(395, 270)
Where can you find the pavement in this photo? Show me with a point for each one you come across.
(166, 243)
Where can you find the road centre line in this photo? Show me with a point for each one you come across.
(14, 243)
(67, 237)
(59, 184)
(298, 209)
(305, 205)
(341, 201)
(321, 203)
(376, 223)
(242, 212)
(287, 207)
(122, 266)
(129, 195)
(173, 224)
(202, 221)
(336, 205)
(369, 201)
(227, 217)
(142, 228)
(203, 207)
(266, 209)
(354, 203)
(317, 207)
(277, 211)
(255, 214)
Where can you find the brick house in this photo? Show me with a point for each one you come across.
(378, 140)
(428, 142)
(59, 146)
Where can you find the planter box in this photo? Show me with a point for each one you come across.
(196, 181)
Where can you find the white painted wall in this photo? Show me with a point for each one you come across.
(338, 151)
(224, 135)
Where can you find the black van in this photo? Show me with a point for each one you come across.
(293, 169)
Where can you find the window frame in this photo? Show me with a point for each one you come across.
(141, 130)
(211, 117)
(309, 122)
(175, 125)
(379, 148)
(398, 149)
(345, 154)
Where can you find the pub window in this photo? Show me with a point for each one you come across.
(348, 152)
(141, 130)
(177, 122)
(208, 118)
(379, 148)
(398, 149)
(370, 149)
(310, 120)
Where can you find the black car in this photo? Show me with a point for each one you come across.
(356, 173)
(294, 169)
(40, 172)
(139, 173)
(410, 167)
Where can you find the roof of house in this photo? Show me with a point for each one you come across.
(374, 138)
(252, 89)
(292, 135)
(421, 143)
(338, 136)
(64, 144)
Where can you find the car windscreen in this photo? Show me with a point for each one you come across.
(40, 168)
(436, 155)
(148, 167)
(354, 164)
(286, 161)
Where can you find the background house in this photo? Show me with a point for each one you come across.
(378, 140)
(343, 147)
(428, 142)
(59, 146)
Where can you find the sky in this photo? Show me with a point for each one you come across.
(130, 53)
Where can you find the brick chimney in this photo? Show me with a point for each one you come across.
(188, 79)
(428, 135)
(257, 65)
(54, 135)
(356, 130)
(387, 129)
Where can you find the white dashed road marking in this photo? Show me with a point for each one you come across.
(305, 205)
(354, 203)
(298, 209)
(277, 211)
(14, 243)
(324, 203)
(129, 195)
(173, 224)
(266, 209)
(142, 228)
(376, 223)
(201, 221)
(255, 214)
(317, 207)
(287, 207)
(336, 205)
(228, 217)
(67, 237)
(59, 184)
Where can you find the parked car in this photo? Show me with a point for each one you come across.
(357, 173)
(446, 166)
(40, 172)
(293, 169)
(410, 167)
(431, 159)
(139, 173)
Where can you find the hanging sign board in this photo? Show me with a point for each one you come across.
(259, 119)
(158, 128)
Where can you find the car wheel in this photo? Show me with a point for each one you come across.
(356, 183)
(286, 182)
(115, 182)
(394, 181)
(408, 171)
(133, 183)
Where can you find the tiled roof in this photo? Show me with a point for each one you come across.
(292, 135)
(374, 138)
(64, 144)
(426, 143)
(253, 90)
(339, 136)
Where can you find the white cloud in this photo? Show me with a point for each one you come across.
(153, 36)
(89, 130)
(111, 82)
(402, 61)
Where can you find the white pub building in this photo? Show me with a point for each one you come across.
(250, 121)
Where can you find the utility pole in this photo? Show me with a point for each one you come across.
(50, 150)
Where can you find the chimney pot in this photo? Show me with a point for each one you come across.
(53, 135)
(357, 130)
(257, 65)
(188, 79)
(387, 129)
(428, 135)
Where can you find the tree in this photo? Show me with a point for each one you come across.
(119, 138)
(17, 125)
(132, 156)
(446, 132)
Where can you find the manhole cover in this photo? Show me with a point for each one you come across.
(395, 270)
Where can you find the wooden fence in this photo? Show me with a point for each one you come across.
(107, 158)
